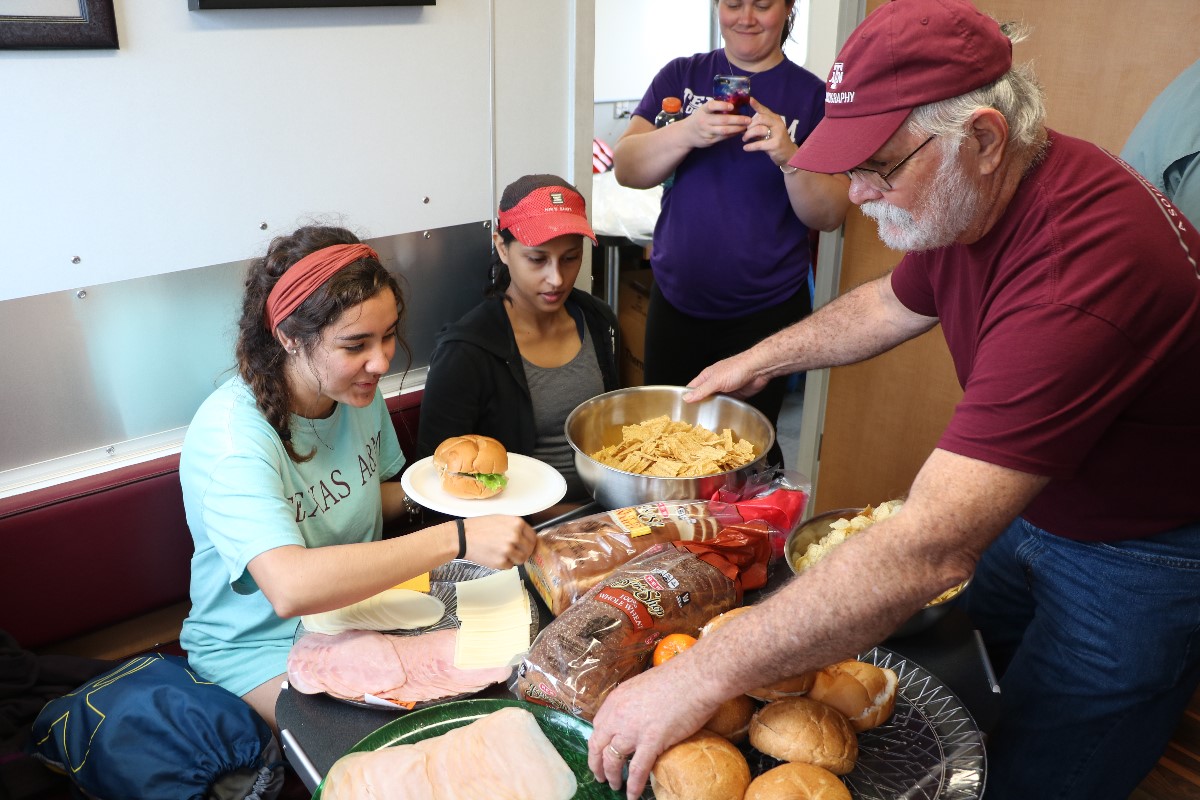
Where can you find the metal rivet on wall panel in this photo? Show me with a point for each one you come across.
(487, 223)
(262, 226)
(428, 235)
(81, 294)
(112, 451)
(76, 260)
(425, 201)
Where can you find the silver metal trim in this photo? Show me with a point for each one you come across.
(300, 760)
(988, 671)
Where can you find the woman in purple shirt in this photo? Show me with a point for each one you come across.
(731, 255)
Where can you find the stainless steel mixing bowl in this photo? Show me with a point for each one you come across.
(596, 423)
(811, 532)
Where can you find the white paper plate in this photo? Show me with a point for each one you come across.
(533, 486)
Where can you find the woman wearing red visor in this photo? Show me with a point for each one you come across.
(517, 364)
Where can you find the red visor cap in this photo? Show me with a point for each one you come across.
(906, 54)
(545, 213)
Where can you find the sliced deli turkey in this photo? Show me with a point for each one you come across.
(501, 756)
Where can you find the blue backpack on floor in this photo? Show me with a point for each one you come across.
(153, 729)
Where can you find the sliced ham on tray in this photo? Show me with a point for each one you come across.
(403, 669)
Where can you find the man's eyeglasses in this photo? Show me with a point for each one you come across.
(879, 180)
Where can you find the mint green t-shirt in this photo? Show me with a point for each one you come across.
(243, 496)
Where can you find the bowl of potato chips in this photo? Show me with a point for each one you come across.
(816, 538)
(644, 443)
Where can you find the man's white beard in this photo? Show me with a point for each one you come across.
(947, 205)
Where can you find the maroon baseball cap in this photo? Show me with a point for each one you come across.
(907, 53)
(546, 212)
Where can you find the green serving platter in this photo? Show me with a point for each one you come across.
(568, 734)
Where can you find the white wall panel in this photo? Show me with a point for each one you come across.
(635, 38)
(157, 164)
(171, 152)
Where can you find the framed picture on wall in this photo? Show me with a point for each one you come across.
(57, 24)
(202, 5)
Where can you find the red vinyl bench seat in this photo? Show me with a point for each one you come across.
(99, 566)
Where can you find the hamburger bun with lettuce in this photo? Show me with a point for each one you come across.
(471, 467)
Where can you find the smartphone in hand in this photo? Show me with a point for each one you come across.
(733, 89)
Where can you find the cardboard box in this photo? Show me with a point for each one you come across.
(633, 300)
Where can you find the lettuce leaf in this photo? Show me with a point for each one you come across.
(492, 480)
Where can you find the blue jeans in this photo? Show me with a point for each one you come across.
(1102, 643)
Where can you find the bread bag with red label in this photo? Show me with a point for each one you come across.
(572, 557)
(609, 634)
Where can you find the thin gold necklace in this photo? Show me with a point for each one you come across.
(312, 425)
(729, 66)
(747, 73)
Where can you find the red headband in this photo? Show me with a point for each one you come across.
(302, 278)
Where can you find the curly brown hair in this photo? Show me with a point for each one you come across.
(260, 356)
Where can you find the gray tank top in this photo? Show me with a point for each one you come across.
(556, 391)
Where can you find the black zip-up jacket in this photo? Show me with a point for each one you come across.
(476, 381)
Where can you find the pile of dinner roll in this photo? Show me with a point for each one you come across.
(810, 721)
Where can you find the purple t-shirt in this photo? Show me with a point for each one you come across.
(727, 242)
(1074, 326)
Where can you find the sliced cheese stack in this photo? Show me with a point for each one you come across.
(494, 619)
(390, 610)
(417, 584)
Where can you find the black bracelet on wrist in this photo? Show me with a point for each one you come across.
(462, 538)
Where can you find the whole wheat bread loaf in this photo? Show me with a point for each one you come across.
(609, 633)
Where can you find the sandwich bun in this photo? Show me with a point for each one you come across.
(459, 459)
(703, 766)
(865, 693)
(797, 782)
(801, 729)
(720, 619)
(732, 718)
(788, 687)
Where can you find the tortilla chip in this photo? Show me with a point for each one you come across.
(666, 448)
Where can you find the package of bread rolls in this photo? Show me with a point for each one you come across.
(572, 557)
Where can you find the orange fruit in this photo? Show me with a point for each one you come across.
(672, 645)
